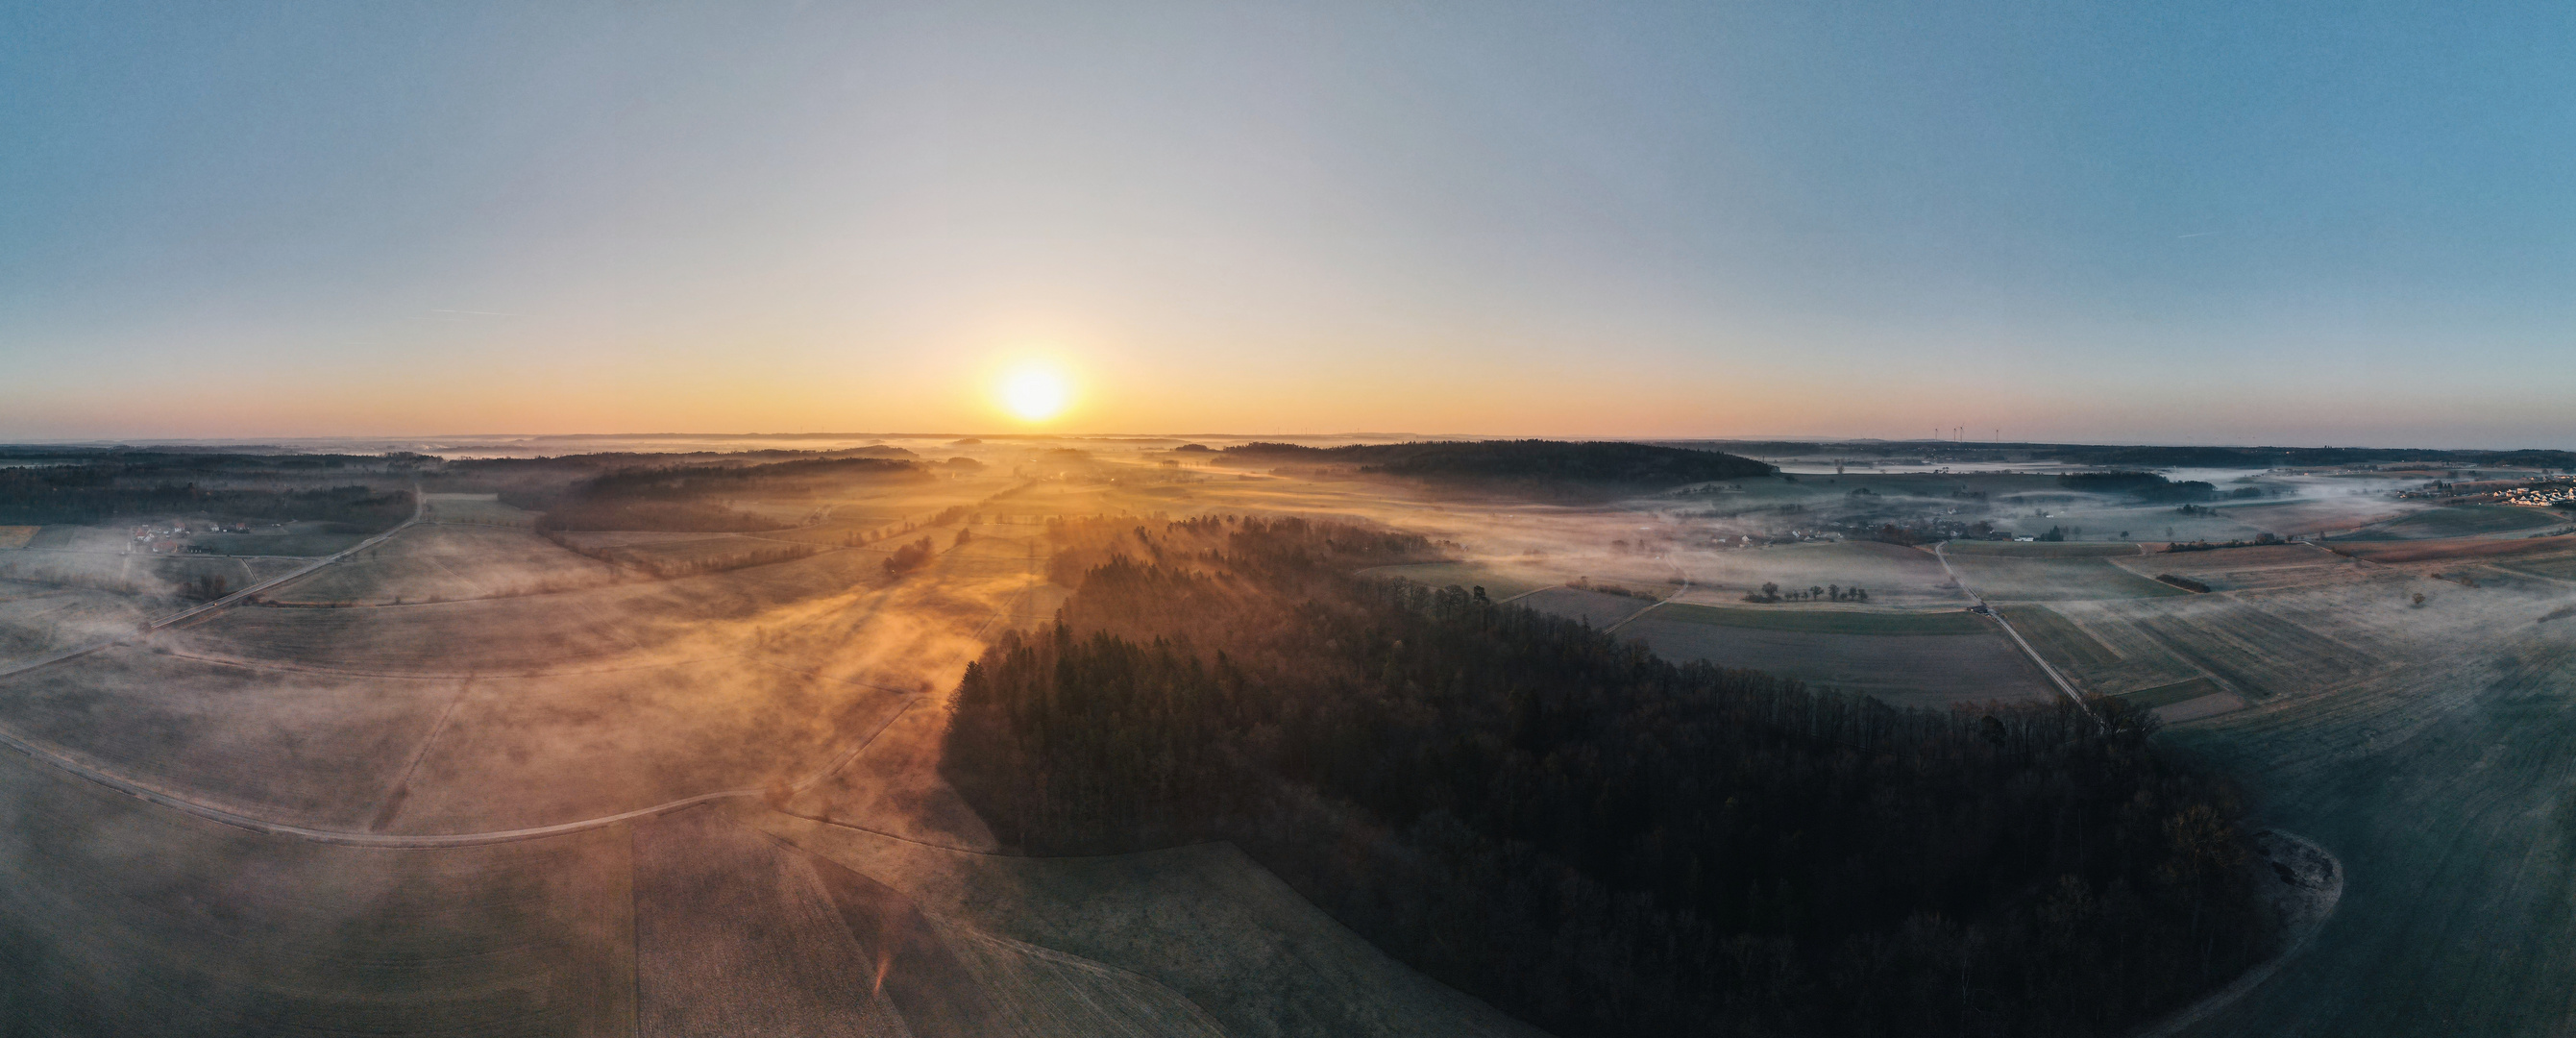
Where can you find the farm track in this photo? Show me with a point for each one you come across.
(78, 767)
(2044, 667)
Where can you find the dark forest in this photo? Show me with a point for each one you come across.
(1589, 837)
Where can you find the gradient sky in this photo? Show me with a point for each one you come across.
(2343, 222)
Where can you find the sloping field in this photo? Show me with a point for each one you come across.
(2010, 579)
(1203, 921)
(2449, 792)
(1906, 669)
(125, 919)
(2254, 651)
(1826, 619)
(2459, 521)
(319, 749)
(448, 563)
(1592, 607)
(17, 536)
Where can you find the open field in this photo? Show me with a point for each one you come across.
(1202, 921)
(2460, 521)
(2011, 579)
(1913, 669)
(127, 919)
(2446, 789)
(151, 576)
(17, 536)
(2038, 549)
(1501, 578)
(2546, 551)
(445, 563)
(2241, 569)
(1592, 607)
(1895, 576)
(2428, 745)
(2326, 515)
(36, 619)
(308, 540)
(2254, 651)
(2063, 643)
(1827, 619)
(472, 509)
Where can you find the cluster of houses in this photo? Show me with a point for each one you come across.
(2540, 496)
(173, 537)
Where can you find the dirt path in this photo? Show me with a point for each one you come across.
(1998, 618)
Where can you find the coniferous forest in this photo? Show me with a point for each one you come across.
(1589, 837)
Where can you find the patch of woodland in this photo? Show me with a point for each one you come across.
(1515, 464)
(224, 488)
(1592, 838)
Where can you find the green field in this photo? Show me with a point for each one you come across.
(1825, 621)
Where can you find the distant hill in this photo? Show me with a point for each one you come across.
(2114, 456)
(1517, 462)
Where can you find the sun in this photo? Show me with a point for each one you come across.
(1035, 392)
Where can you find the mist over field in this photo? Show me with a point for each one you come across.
(1076, 735)
(1748, 520)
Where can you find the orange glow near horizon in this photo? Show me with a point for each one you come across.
(1034, 392)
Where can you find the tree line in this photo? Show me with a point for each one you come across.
(102, 493)
(1589, 837)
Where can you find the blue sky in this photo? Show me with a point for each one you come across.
(2327, 223)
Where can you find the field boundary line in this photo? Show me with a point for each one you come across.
(1999, 620)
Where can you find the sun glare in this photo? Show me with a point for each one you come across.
(1035, 393)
